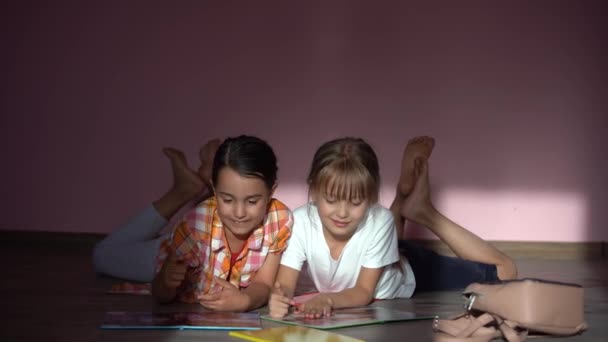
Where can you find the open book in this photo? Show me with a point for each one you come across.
(349, 317)
(292, 333)
(182, 320)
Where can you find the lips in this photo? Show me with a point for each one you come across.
(240, 222)
(340, 224)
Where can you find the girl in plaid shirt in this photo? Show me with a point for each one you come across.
(225, 252)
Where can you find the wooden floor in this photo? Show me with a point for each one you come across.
(50, 293)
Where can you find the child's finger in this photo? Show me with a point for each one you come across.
(175, 262)
(278, 310)
(172, 257)
(279, 298)
(181, 268)
(277, 289)
(223, 283)
(209, 297)
(283, 300)
(179, 273)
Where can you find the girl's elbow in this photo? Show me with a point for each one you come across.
(368, 297)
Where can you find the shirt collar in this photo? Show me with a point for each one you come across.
(254, 241)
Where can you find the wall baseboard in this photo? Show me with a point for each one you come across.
(515, 249)
(46, 238)
(535, 249)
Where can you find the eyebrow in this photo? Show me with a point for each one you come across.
(256, 196)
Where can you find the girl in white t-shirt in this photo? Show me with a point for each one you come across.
(350, 242)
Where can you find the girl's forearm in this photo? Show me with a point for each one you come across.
(351, 297)
(257, 295)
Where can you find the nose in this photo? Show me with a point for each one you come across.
(239, 211)
(342, 209)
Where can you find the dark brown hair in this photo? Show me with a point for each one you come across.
(249, 156)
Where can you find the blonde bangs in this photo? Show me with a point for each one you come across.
(344, 180)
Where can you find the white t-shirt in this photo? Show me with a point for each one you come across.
(373, 245)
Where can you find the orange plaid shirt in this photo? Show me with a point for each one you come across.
(199, 241)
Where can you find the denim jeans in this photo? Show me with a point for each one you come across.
(435, 272)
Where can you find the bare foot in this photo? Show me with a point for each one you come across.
(418, 147)
(417, 206)
(186, 182)
(206, 155)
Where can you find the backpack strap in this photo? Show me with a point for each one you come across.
(467, 328)
(507, 328)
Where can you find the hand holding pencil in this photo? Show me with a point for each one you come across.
(279, 303)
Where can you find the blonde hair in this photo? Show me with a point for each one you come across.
(347, 169)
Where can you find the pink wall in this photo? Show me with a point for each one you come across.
(514, 93)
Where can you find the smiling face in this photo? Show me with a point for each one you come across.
(242, 201)
(344, 181)
(340, 217)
